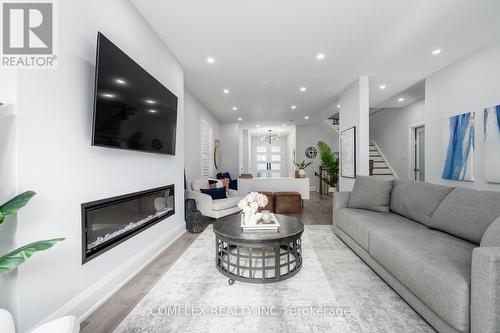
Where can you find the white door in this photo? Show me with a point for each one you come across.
(268, 159)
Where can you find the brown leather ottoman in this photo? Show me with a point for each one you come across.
(270, 202)
(287, 203)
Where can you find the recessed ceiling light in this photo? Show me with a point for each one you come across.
(240, 119)
(225, 91)
(436, 52)
(284, 125)
(338, 106)
(306, 117)
(150, 101)
(320, 56)
(382, 86)
(401, 99)
(108, 95)
(293, 107)
(303, 89)
(235, 108)
(152, 111)
(120, 81)
(258, 125)
(210, 60)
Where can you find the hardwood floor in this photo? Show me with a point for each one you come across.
(317, 210)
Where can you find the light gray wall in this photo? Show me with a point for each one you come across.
(230, 148)
(470, 85)
(193, 112)
(308, 136)
(390, 129)
(55, 158)
(291, 146)
(354, 111)
(8, 146)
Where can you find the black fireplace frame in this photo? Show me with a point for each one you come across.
(85, 207)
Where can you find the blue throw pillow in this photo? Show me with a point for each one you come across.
(215, 193)
(233, 184)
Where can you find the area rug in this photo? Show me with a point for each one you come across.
(334, 292)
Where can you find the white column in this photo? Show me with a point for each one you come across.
(355, 112)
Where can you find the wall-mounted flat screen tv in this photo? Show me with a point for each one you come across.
(132, 110)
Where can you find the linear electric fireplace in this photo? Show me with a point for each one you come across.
(108, 222)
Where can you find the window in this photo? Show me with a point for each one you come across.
(207, 148)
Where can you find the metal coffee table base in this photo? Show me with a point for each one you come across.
(268, 262)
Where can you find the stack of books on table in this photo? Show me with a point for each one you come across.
(273, 226)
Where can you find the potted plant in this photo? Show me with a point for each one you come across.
(302, 166)
(15, 258)
(330, 164)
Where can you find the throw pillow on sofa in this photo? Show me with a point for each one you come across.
(215, 193)
(371, 194)
(417, 200)
(467, 213)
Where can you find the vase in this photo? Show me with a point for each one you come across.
(301, 173)
(250, 217)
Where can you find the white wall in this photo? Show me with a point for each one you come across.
(308, 136)
(8, 96)
(390, 129)
(354, 111)
(470, 85)
(291, 145)
(193, 112)
(56, 160)
(230, 148)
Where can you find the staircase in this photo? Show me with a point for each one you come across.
(379, 167)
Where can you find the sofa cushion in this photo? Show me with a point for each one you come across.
(416, 200)
(491, 237)
(359, 223)
(372, 194)
(435, 266)
(467, 213)
(198, 184)
(227, 203)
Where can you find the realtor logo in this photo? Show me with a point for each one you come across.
(28, 34)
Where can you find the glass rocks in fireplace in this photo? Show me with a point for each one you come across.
(108, 222)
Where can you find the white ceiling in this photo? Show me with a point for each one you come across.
(263, 130)
(265, 50)
(410, 95)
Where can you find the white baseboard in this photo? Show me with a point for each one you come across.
(88, 301)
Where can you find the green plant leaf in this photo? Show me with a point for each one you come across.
(15, 258)
(330, 163)
(13, 205)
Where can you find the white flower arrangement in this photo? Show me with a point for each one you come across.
(249, 205)
(252, 201)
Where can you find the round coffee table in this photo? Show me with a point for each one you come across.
(258, 256)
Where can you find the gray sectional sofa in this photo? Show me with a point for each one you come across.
(438, 247)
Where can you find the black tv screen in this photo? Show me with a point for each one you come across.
(132, 110)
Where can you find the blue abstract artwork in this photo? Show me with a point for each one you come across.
(491, 133)
(458, 140)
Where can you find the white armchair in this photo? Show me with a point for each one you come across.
(67, 324)
(209, 207)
